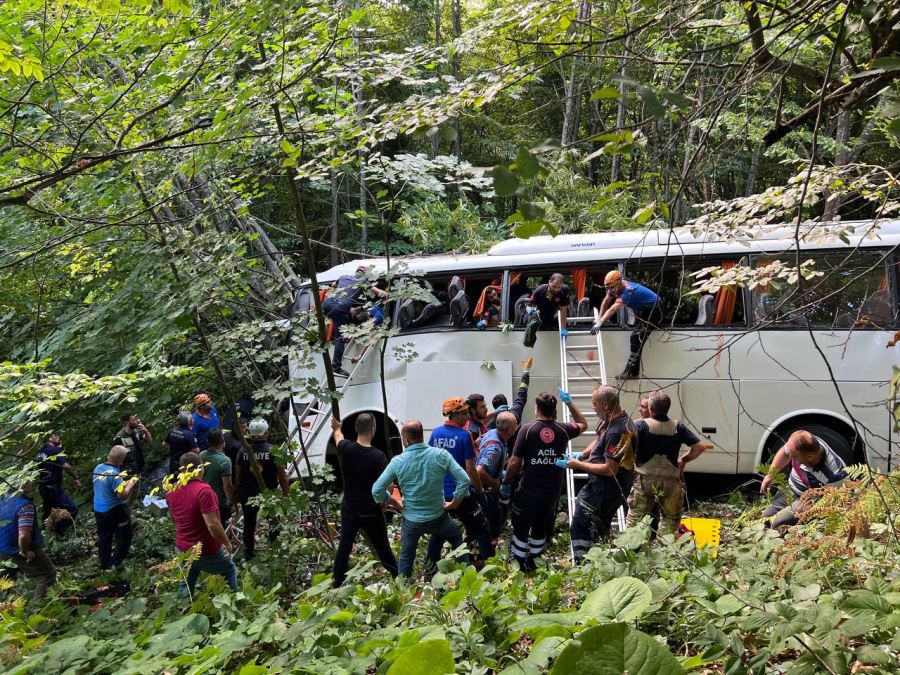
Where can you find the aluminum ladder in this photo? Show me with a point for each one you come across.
(576, 378)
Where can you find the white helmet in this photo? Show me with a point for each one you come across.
(258, 427)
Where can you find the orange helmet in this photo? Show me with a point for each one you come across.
(454, 405)
(202, 399)
(613, 278)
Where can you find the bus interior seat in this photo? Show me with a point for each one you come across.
(520, 307)
(584, 307)
(455, 286)
(429, 312)
(573, 307)
(406, 314)
(706, 310)
(459, 307)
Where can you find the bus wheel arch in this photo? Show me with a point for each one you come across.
(348, 428)
(833, 429)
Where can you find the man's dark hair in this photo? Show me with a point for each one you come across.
(127, 415)
(189, 458)
(498, 400)
(364, 424)
(556, 276)
(659, 403)
(215, 438)
(546, 404)
(473, 400)
(413, 431)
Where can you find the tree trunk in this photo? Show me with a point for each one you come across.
(573, 97)
(435, 138)
(457, 31)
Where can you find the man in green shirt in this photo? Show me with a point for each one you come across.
(217, 473)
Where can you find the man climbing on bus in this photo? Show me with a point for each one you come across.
(347, 292)
(608, 462)
(813, 465)
(453, 438)
(647, 312)
(658, 469)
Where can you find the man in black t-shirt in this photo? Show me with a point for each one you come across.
(551, 298)
(361, 465)
(539, 446)
(247, 486)
(133, 436)
(608, 461)
(180, 440)
(52, 462)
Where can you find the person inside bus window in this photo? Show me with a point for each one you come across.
(490, 315)
(647, 311)
(552, 298)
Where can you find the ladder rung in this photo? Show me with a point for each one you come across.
(586, 362)
(583, 379)
(572, 348)
(580, 476)
(580, 319)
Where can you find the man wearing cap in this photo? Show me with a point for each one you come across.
(206, 417)
(347, 293)
(52, 462)
(453, 437)
(647, 312)
(419, 472)
(247, 486)
(179, 440)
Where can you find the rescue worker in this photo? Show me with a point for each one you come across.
(21, 541)
(453, 438)
(658, 469)
(501, 404)
(492, 454)
(813, 464)
(647, 312)
(52, 462)
(551, 299)
(476, 424)
(608, 461)
(347, 293)
(538, 446)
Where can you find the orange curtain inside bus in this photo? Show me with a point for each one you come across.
(579, 281)
(726, 300)
(479, 306)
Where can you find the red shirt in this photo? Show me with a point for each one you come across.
(187, 505)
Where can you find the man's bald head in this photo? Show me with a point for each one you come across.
(411, 433)
(506, 424)
(117, 455)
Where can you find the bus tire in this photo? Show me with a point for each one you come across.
(835, 433)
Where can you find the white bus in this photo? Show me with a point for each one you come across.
(743, 368)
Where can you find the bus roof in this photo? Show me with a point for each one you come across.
(579, 249)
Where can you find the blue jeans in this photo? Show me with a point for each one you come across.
(218, 563)
(442, 528)
(338, 310)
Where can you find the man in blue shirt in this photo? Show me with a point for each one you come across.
(419, 472)
(347, 292)
(111, 491)
(206, 418)
(492, 456)
(21, 542)
(181, 439)
(53, 462)
(647, 314)
(453, 437)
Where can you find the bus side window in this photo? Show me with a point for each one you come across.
(853, 291)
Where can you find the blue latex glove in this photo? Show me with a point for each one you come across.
(481, 325)
(564, 332)
(564, 396)
(504, 491)
(563, 463)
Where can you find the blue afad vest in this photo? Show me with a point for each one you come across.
(9, 528)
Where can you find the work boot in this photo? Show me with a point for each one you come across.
(340, 372)
(627, 375)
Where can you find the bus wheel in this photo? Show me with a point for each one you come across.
(837, 439)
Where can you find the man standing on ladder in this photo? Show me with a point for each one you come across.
(658, 469)
(538, 447)
(647, 312)
(608, 463)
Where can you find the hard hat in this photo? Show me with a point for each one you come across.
(454, 405)
(612, 278)
(202, 399)
(258, 427)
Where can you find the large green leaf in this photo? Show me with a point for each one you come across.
(620, 599)
(505, 181)
(613, 649)
(539, 657)
(429, 657)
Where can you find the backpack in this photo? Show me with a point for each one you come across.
(532, 325)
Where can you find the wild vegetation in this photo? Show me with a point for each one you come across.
(170, 170)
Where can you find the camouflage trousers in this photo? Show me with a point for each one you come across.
(650, 492)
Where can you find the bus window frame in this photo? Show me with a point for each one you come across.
(889, 260)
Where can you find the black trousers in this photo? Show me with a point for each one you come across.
(595, 507)
(251, 517)
(532, 517)
(224, 514)
(56, 498)
(496, 513)
(374, 527)
(471, 514)
(645, 321)
(114, 524)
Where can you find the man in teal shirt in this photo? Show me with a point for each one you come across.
(420, 471)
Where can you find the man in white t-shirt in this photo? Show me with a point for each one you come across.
(813, 465)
